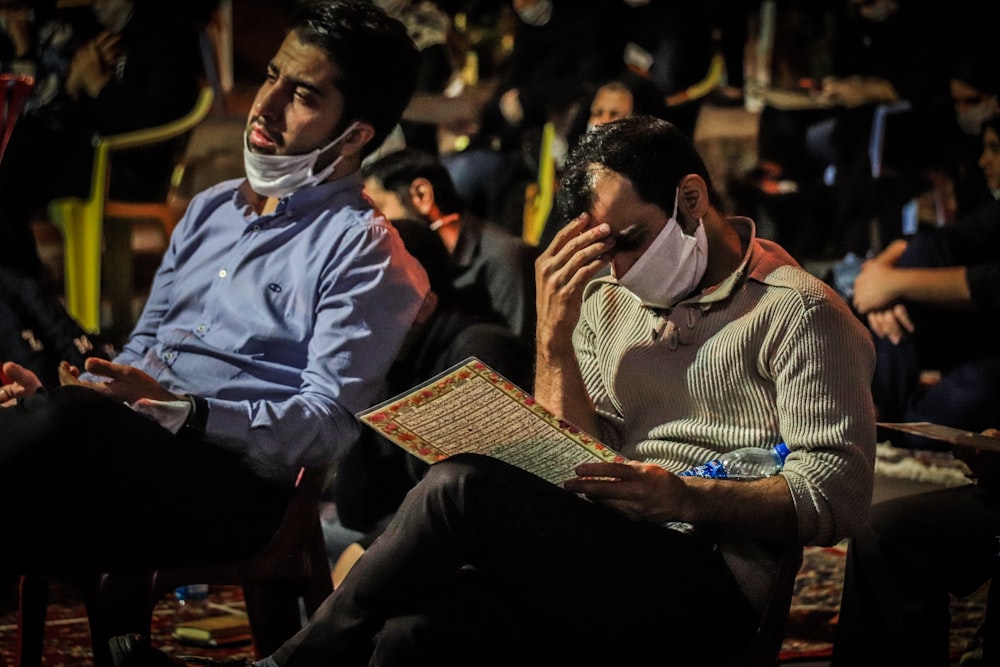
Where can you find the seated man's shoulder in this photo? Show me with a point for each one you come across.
(503, 241)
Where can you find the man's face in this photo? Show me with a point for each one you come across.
(989, 160)
(634, 223)
(388, 202)
(298, 107)
(609, 104)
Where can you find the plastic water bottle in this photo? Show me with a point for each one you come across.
(743, 464)
(192, 602)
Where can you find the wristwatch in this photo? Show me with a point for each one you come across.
(194, 425)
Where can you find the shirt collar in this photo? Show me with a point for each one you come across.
(306, 198)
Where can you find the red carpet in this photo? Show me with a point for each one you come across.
(808, 636)
(67, 639)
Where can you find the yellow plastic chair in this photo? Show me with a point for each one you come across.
(698, 90)
(540, 194)
(81, 221)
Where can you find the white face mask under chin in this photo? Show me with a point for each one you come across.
(971, 119)
(537, 14)
(670, 268)
(279, 175)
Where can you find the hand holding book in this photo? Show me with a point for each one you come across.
(472, 408)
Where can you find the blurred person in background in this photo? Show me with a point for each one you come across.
(108, 67)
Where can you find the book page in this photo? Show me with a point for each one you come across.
(472, 408)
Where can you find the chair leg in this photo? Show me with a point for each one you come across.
(273, 610)
(990, 629)
(117, 605)
(320, 584)
(33, 599)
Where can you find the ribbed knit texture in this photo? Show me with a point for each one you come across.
(772, 354)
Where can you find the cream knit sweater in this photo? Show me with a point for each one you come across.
(772, 354)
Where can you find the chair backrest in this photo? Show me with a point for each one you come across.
(14, 91)
(81, 221)
(540, 195)
(700, 89)
(292, 566)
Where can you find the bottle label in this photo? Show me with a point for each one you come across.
(712, 469)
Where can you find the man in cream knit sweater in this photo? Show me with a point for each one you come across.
(702, 339)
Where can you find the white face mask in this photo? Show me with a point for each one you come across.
(537, 14)
(279, 175)
(670, 268)
(878, 11)
(113, 14)
(971, 118)
(392, 7)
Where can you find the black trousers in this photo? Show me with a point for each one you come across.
(916, 551)
(87, 482)
(485, 564)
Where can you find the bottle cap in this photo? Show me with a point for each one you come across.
(782, 450)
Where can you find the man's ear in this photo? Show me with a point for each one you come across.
(356, 139)
(693, 196)
(422, 196)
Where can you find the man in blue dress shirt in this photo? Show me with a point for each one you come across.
(278, 308)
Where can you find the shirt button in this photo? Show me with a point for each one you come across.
(223, 273)
(255, 228)
(201, 328)
(168, 356)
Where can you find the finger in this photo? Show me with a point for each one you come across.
(606, 470)
(570, 230)
(102, 367)
(67, 376)
(902, 316)
(26, 382)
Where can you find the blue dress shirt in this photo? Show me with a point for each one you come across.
(286, 323)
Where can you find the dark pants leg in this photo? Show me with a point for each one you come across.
(562, 571)
(901, 569)
(97, 485)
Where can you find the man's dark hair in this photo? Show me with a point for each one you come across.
(992, 123)
(377, 59)
(652, 153)
(397, 170)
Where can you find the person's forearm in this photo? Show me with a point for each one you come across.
(938, 286)
(761, 508)
(559, 388)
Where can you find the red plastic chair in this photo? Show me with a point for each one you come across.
(14, 91)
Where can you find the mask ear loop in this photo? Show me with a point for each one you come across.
(326, 171)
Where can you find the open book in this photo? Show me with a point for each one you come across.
(472, 408)
(953, 436)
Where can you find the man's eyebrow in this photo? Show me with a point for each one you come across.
(300, 83)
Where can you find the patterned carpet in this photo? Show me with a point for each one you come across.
(67, 639)
(808, 635)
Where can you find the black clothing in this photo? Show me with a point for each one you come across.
(36, 331)
(487, 564)
(961, 344)
(59, 452)
(900, 570)
(50, 153)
